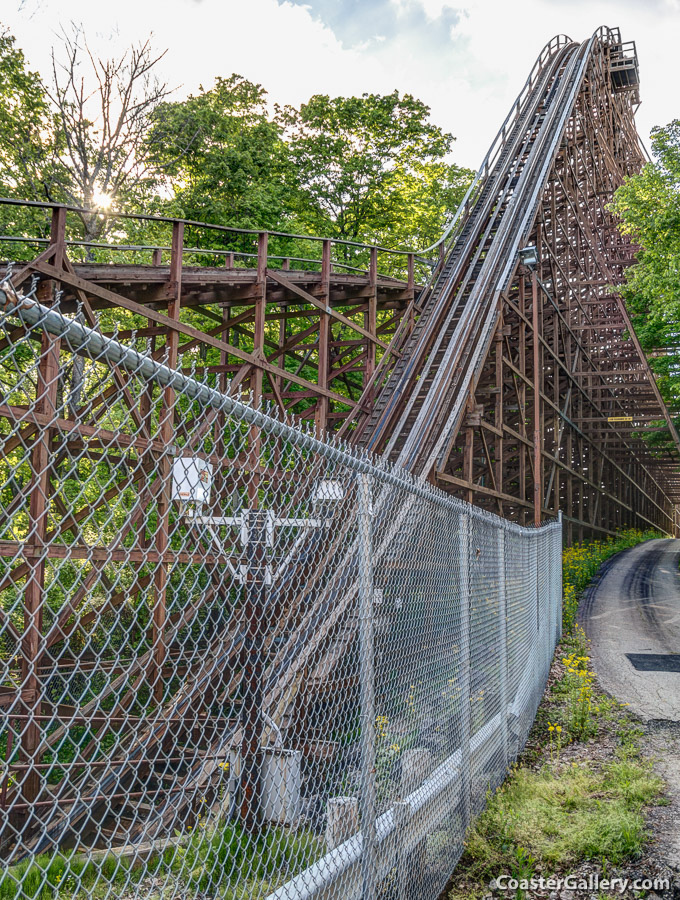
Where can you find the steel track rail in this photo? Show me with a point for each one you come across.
(476, 272)
(463, 255)
(453, 360)
(479, 200)
(500, 263)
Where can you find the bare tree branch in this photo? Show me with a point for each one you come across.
(103, 107)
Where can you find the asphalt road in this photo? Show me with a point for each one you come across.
(632, 617)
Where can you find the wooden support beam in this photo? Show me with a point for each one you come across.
(39, 496)
(180, 327)
(326, 308)
(321, 414)
(166, 430)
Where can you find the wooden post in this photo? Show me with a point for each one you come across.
(522, 390)
(257, 377)
(468, 451)
(166, 434)
(342, 820)
(321, 415)
(40, 489)
(411, 288)
(411, 268)
(498, 409)
(371, 319)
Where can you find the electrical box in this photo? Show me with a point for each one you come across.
(328, 489)
(281, 783)
(191, 480)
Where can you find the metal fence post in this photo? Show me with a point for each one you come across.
(558, 579)
(253, 671)
(465, 665)
(552, 599)
(367, 801)
(416, 764)
(537, 602)
(503, 643)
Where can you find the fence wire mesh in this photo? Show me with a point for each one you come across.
(238, 661)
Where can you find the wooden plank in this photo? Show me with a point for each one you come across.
(155, 316)
(334, 314)
(17, 549)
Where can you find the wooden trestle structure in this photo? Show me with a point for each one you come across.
(557, 389)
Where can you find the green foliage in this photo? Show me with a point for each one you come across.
(48, 877)
(26, 127)
(28, 144)
(222, 860)
(221, 156)
(648, 206)
(576, 689)
(371, 168)
(556, 822)
(228, 854)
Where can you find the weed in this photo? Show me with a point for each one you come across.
(580, 563)
(210, 858)
(523, 869)
(555, 733)
(558, 821)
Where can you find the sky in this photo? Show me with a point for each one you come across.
(467, 60)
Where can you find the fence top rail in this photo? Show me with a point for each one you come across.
(86, 341)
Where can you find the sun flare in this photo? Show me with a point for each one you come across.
(102, 200)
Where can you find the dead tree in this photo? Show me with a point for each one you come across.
(103, 108)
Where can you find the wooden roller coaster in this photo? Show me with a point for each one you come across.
(502, 367)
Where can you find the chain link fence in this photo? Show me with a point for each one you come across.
(238, 661)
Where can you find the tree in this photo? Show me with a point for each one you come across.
(103, 110)
(371, 168)
(81, 140)
(27, 138)
(648, 206)
(222, 156)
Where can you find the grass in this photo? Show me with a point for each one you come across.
(249, 868)
(562, 817)
(49, 876)
(559, 807)
(222, 861)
